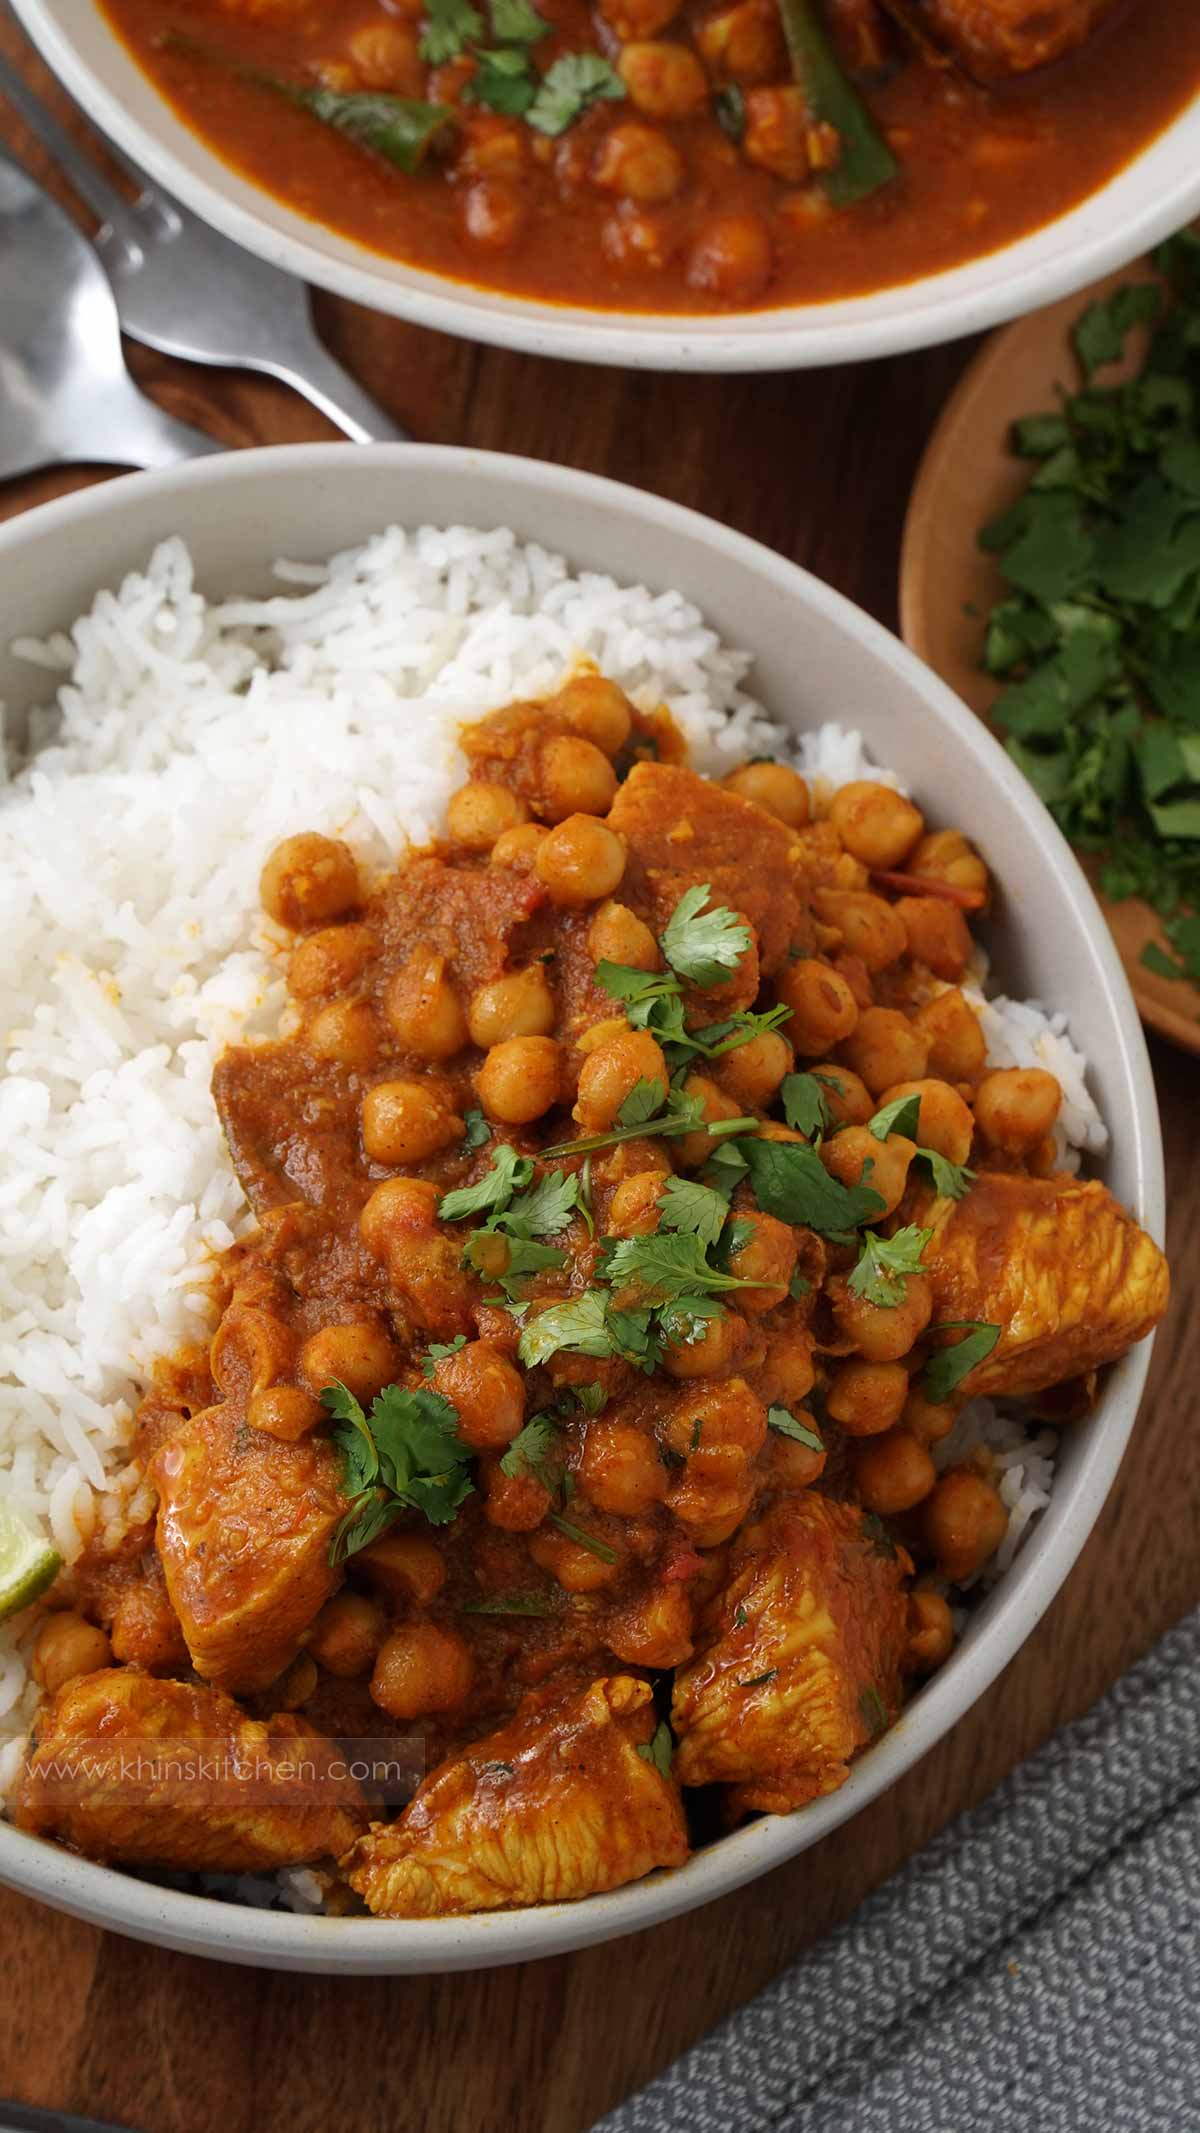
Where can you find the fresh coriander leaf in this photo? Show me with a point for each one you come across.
(579, 1326)
(662, 1268)
(509, 1260)
(659, 1749)
(740, 1617)
(503, 81)
(1099, 334)
(791, 1182)
(535, 1451)
(437, 1349)
(725, 1168)
(682, 1115)
(570, 87)
(644, 1099)
(902, 1115)
(951, 1180)
(635, 1338)
(512, 1603)
(592, 1398)
(945, 1371)
(509, 1172)
(874, 1712)
(756, 1681)
(703, 946)
(799, 1287)
(1163, 965)
(406, 1455)
(780, 1419)
(450, 25)
(545, 1209)
(805, 1105)
(880, 1540)
(478, 1130)
(581, 1539)
(684, 1204)
(729, 105)
(516, 22)
(884, 1265)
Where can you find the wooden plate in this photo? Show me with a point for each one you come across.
(948, 584)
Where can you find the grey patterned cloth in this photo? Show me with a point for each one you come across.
(1037, 1966)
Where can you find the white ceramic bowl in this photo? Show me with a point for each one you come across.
(816, 656)
(1155, 194)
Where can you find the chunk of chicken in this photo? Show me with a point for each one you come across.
(244, 1525)
(681, 829)
(991, 39)
(558, 1804)
(126, 1767)
(1063, 1270)
(798, 1659)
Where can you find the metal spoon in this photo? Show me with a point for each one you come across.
(65, 393)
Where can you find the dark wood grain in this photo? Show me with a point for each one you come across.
(819, 466)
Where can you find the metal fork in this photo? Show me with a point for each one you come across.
(184, 289)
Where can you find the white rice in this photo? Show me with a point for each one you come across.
(187, 738)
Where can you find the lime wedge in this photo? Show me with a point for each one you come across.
(27, 1562)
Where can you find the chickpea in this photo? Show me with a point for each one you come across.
(633, 1210)
(849, 1100)
(331, 960)
(944, 1122)
(870, 928)
(927, 1420)
(946, 855)
(398, 1205)
(867, 1398)
(592, 707)
(518, 848)
(752, 1072)
(399, 1225)
(665, 81)
(937, 935)
(384, 55)
(639, 163)
(773, 787)
(516, 1503)
(1016, 1107)
(849, 1153)
(421, 1668)
(424, 1009)
(407, 1121)
(617, 935)
(638, 18)
(487, 1390)
(883, 1332)
(347, 1634)
(712, 1354)
(600, 1033)
(409, 1569)
(767, 1258)
(744, 43)
(346, 1033)
(716, 1427)
(492, 147)
(628, 1159)
(360, 1356)
(788, 1375)
(581, 860)
(284, 1411)
(612, 1073)
(575, 1568)
(520, 1005)
(957, 1046)
(930, 1631)
(733, 259)
(575, 778)
(824, 1009)
(778, 132)
(692, 1150)
(308, 880)
(621, 1469)
(66, 1646)
(637, 240)
(656, 1630)
(494, 213)
(892, 1473)
(963, 1523)
(520, 1079)
(876, 825)
(886, 1048)
(478, 813)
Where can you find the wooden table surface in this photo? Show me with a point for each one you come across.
(819, 466)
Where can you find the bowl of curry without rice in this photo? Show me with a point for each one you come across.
(680, 184)
(581, 1185)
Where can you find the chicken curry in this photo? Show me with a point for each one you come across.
(674, 155)
(636, 1210)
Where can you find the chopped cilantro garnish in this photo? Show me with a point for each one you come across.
(516, 22)
(685, 1205)
(946, 1370)
(950, 1180)
(756, 1680)
(581, 1539)
(791, 1182)
(884, 1265)
(659, 1748)
(902, 1115)
(703, 946)
(478, 1130)
(782, 1420)
(437, 1349)
(874, 1711)
(450, 25)
(729, 104)
(536, 1452)
(503, 81)
(664, 1268)
(407, 1456)
(508, 1173)
(580, 1326)
(805, 1105)
(571, 86)
(644, 1099)
(512, 1603)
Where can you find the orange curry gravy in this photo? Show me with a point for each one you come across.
(504, 207)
